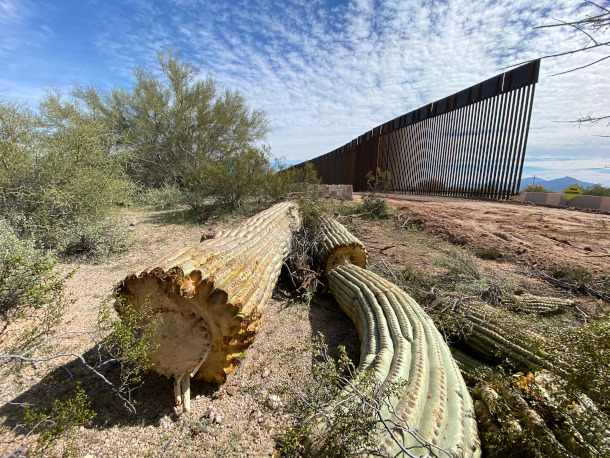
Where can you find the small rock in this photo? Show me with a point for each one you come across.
(207, 414)
(274, 401)
(266, 373)
(232, 390)
(133, 222)
(217, 418)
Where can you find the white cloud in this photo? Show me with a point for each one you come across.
(326, 74)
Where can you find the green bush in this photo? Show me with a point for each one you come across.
(373, 205)
(60, 172)
(536, 188)
(163, 198)
(338, 408)
(96, 240)
(231, 182)
(60, 419)
(29, 286)
(128, 341)
(597, 190)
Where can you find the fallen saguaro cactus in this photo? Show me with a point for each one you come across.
(497, 333)
(467, 363)
(211, 296)
(540, 305)
(400, 342)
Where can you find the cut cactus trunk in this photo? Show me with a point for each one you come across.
(400, 342)
(338, 246)
(496, 333)
(211, 296)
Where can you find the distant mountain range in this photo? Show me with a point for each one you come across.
(556, 185)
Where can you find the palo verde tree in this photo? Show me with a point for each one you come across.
(176, 123)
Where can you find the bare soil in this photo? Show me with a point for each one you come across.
(528, 234)
(242, 417)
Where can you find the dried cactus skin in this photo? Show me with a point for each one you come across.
(399, 341)
(213, 294)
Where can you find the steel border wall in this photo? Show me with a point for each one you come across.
(469, 144)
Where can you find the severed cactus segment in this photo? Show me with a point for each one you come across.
(495, 333)
(467, 363)
(540, 305)
(399, 341)
(211, 296)
(338, 246)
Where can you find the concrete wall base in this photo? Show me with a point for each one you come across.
(555, 198)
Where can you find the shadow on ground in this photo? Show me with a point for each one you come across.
(154, 399)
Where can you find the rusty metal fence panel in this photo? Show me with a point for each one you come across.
(470, 144)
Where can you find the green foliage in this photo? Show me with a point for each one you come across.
(373, 205)
(163, 198)
(229, 182)
(579, 281)
(129, 341)
(29, 287)
(536, 188)
(489, 254)
(338, 408)
(59, 170)
(417, 283)
(597, 190)
(174, 124)
(96, 240)
(60, 419)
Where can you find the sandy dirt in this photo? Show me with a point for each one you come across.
(540, 236)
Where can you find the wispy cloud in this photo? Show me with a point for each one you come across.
(325, 72)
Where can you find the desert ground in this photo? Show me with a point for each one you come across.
(243, 416)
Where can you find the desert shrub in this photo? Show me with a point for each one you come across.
(230, 183)
(579, 281)
(60, 419)
(299, 180)
(302, 261)
(589, 347)
(489, 254)
(127, 342)
(597, 190)
(29, 287)
(162, 198)
(417, 283)
(60, 171)
(96, 240)
(373, 205)
(338, 407)
(536, 188)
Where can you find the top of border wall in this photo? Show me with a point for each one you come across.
(524, 75)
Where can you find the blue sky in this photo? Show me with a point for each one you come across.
(325, 72)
